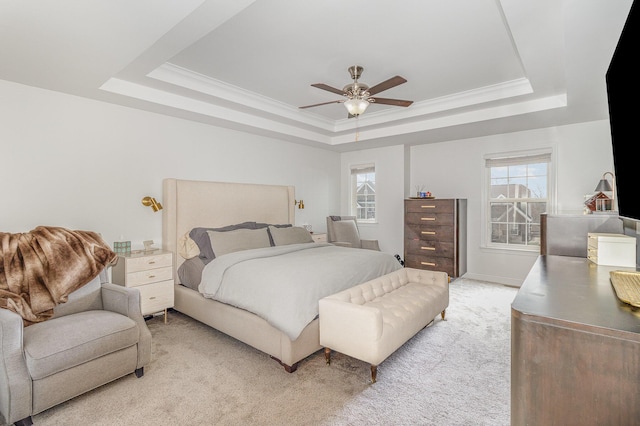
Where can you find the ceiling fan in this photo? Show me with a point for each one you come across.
(359, 95)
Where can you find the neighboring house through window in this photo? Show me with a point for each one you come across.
(517, 192)
(363, 192)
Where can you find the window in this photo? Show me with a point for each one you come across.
(363, 192)
(517, 193)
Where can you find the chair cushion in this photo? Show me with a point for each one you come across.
(61, 343)
(346, 231)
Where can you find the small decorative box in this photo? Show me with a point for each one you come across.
(122, 247)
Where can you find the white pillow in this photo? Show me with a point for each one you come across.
(224, 242)
(187, 248)
(291, 235)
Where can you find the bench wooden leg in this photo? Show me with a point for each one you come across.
(442, 313)
(374, 373)
(327, 355)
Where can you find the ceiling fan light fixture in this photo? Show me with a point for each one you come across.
(356, 106)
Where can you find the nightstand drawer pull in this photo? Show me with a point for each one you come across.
(152, 262)
(428, 263)
(428, 232)
(427, 248)
(152, 276)
(428, 207)
(152, 297)
(427, 218)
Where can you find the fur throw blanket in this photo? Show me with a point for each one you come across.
(40, 268)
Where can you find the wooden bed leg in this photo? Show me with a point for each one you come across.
(287, 368)
(442, 313)
(374, 373)
(327, 355)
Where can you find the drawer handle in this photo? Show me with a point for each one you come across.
(427, 218)
(428, 263)
(427, 248)
(428, 232)
(152, 297)
(428, 207)
(152, 276)
(151, 262)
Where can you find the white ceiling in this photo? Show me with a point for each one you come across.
(473, 67)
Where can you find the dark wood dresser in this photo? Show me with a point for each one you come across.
(435, 235)
(575, 347)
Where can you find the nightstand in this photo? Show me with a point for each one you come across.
(151, 273)
(319, 238)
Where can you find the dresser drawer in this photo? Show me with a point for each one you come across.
(429, 233)
(432, 263)
(135, 279)
(429, 248)
(135, 264)
(429, 206)
(156, 297)
(430, 218)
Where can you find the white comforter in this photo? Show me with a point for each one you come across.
(283, 284)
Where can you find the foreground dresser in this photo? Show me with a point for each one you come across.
(435, 235)
(575, 348)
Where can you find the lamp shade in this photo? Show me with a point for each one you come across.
(603, 186)
(356, 106)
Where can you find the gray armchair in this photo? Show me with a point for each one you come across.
(97, 336)
(343, 231)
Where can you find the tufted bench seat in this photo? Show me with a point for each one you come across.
(373, 319)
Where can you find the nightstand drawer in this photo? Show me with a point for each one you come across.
(135, 264)
(156, 297)
(319, 238)
(149, 276)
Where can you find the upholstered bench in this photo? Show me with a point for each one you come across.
(373, 319)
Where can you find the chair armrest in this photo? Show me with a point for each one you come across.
(126, 301)
(15, 382)
(370, 244)
(341, 243)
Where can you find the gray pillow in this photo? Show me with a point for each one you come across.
(201, 238)
(292, 235)
(190, 272)
(224, 242)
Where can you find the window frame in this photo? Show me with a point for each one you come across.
(519, 158)
(354, 171)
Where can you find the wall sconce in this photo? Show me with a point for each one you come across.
(151, 202)
(299, 203)
(605, 186)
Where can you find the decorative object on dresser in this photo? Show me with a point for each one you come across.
(152, 274)
(611, 249)
(435, 235)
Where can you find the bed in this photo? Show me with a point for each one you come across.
(201, 205)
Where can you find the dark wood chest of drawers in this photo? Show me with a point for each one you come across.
(435, 235)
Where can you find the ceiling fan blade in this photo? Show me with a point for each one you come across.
(396, 102)
(323, 103)
(328, 88)
(387, 84)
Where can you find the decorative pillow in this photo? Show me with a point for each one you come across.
(224, 242)
(290, 235)
(187, 248)
(346, 231)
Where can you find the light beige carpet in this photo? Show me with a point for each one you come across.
(454, 372)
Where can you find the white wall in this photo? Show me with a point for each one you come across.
(390, 183)
(83, 164)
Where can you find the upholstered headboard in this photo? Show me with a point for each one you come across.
(188, 204)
